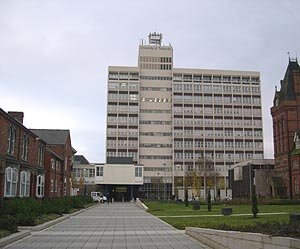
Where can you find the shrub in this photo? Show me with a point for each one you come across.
(8, 222)
(27, 210)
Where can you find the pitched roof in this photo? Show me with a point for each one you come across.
(81, 159)
(287, 87)
(52, 136)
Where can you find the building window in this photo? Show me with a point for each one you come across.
(41, 154)
(99, 171)
(24, 183)
(25, 147)
(12, 134)
(52, 163)
(11, 180)
(40, 186)
(52, 185)
(138, 171)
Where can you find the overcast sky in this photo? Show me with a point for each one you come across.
(54, 54)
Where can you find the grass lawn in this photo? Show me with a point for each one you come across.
(202, 218)
(4, 233)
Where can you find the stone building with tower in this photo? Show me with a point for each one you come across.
(286, 129)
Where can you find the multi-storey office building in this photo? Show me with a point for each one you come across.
(171, 120)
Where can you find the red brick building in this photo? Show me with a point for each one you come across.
(59, 161)
(286, 125)
(22, 157)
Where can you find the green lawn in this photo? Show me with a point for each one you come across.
(204, 218)
(4, 233)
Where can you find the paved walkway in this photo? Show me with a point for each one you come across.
(118, 225)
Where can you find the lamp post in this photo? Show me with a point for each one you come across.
(164, 182)
(84, 182)
(158, 186)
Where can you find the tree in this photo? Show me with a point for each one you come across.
(254, 203)
(206, 169)
(209, 201)
(186, 201)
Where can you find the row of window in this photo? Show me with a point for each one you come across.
(154, 111)
(123, 86)
(218, 110)
(131, 120)
(85, 173)
(157, 100)
(219, 144)
(156, 66)
(187, 77)
(122, 154)
(129, 143)
(218, 121)
(115, 132)
(156, 59)
(218, 156)
(123, 96)
(124, 108)
(155, 122)
(159, 157)
(216, 78)
(123, 75)
(163, 169)
(160, 89)
(219, 133)
(150, 145)
(222, 99)
(11, 183)
(12, 136)
(144, 77)
(199, 88)
(158, 134)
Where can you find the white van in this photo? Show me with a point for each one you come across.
(98, 196)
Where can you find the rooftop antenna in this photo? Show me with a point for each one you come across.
(289, 56)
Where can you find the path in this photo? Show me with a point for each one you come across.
(118, 225)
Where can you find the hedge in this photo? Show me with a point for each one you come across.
(24, 211)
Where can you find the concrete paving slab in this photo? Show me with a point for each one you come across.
(118, 225)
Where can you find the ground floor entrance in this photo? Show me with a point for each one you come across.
(121, 193)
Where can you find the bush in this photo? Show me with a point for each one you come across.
(8, 222)
(27, 210)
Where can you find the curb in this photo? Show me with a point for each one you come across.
(25, 231)
(141, 205)
(13, 237)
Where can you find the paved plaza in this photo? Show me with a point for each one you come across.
(117, 225)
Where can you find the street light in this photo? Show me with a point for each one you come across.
(164, 182)
(84, 182)
(158, 186)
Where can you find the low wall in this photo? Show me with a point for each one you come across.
(219, 239)
(141, 204)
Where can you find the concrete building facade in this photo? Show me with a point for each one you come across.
(177, 120)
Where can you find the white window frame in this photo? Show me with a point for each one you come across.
(40, 185)
(24, 184)
(11, 182)
(138, 172)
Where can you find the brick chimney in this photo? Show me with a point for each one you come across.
(17, 116)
